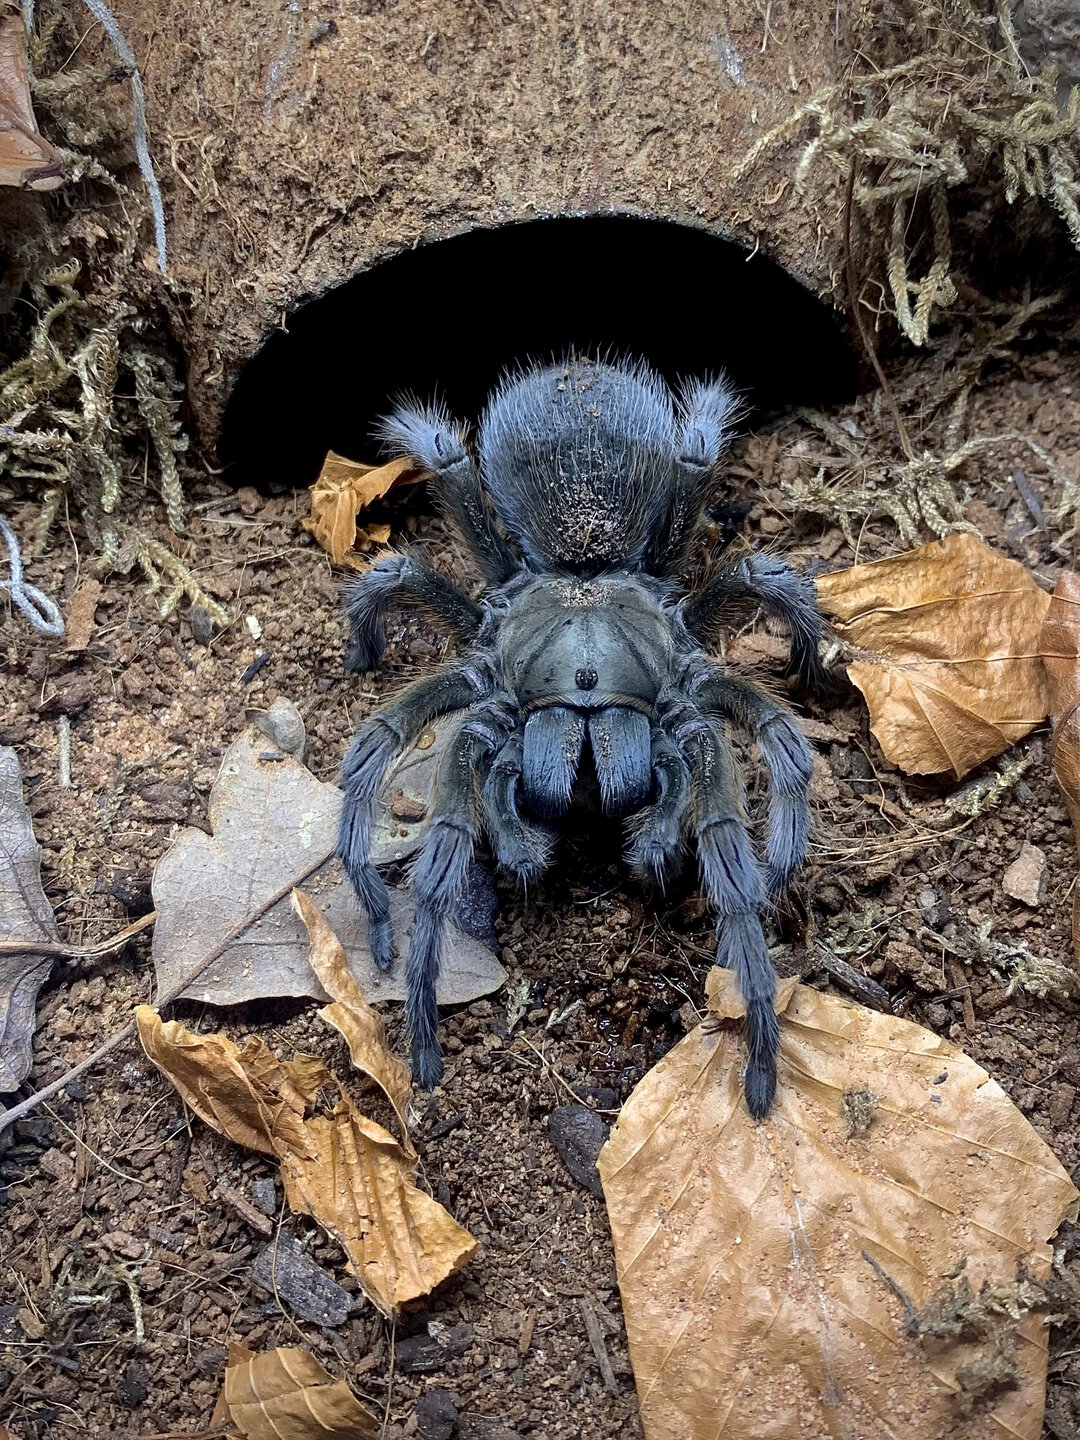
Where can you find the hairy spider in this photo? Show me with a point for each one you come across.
(584, 663)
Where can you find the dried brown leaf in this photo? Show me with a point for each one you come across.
(952, 670)
(341, 1168)
(343, 489)
(1060, 644)
(286, 1394)
(272, 820)
(746, 1252)
(25, 914)
(27, 160)
(351, 1015)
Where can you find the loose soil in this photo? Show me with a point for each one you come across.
(119, 1211)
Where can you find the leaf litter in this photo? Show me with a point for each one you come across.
(959, 653)
(285, 1394)
(338, 1165)
(25, 914)
(345, 488)
(947, 642)
(777, 1292)
(275, 826)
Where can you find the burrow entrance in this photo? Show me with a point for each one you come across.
(446, 318)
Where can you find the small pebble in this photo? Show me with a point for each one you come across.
(436, 1414)
(264, 1195)
(578, 1135)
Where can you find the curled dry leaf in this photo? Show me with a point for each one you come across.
(951, 670)
(351, 1015)
(1060, 645)
(337, 1165)
(753, 1258)
(27, 160)
(343, 489)
(275, 826)
(25, 914)
(286, 1394)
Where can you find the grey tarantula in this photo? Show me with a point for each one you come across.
(583, 661)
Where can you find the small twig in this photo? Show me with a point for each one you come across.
(855, 310)
(596, 1340)
(63, 750)
(62, 951)
(911, 1321)
(24, 1107)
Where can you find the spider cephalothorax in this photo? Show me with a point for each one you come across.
(584, 658)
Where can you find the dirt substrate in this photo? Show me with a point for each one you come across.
(114, 1201)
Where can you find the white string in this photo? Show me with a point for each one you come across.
(105, 18)
(41, 612)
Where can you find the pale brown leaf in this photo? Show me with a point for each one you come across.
(27, 160)
(25, 914)
(351, 1015)
(744, 1250)
(272, 820)
(951, 667)
(286, 1394)
(341, 1168)
(345, 488)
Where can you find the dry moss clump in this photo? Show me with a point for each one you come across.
(90, 387)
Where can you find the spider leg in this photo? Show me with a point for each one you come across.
(656, 831)
(733, 884)
(706, 409)
(432, 437)
(378, 740)
(787, 754)
(780, 589)
(403, 576)
(518, 844)
(438, 877)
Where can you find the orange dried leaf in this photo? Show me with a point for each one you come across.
(343, 489)
(351, 1015)
(952, 670)
(747, 1253)
(286, 1394)
(1060, 644)
(26, 157)
(341, 1168)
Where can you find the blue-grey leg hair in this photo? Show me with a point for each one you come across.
(554, 738)
(429, 435)
(655, 833)
(381, 737)
(519, 844)
(787, 755)
(790, 596)
(706, 410)
(732, 880)
(438, 877)
(621, 742)
(401, 577)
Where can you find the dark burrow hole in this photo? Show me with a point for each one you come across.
(445, 319)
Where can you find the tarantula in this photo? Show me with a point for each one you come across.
(584, 662)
